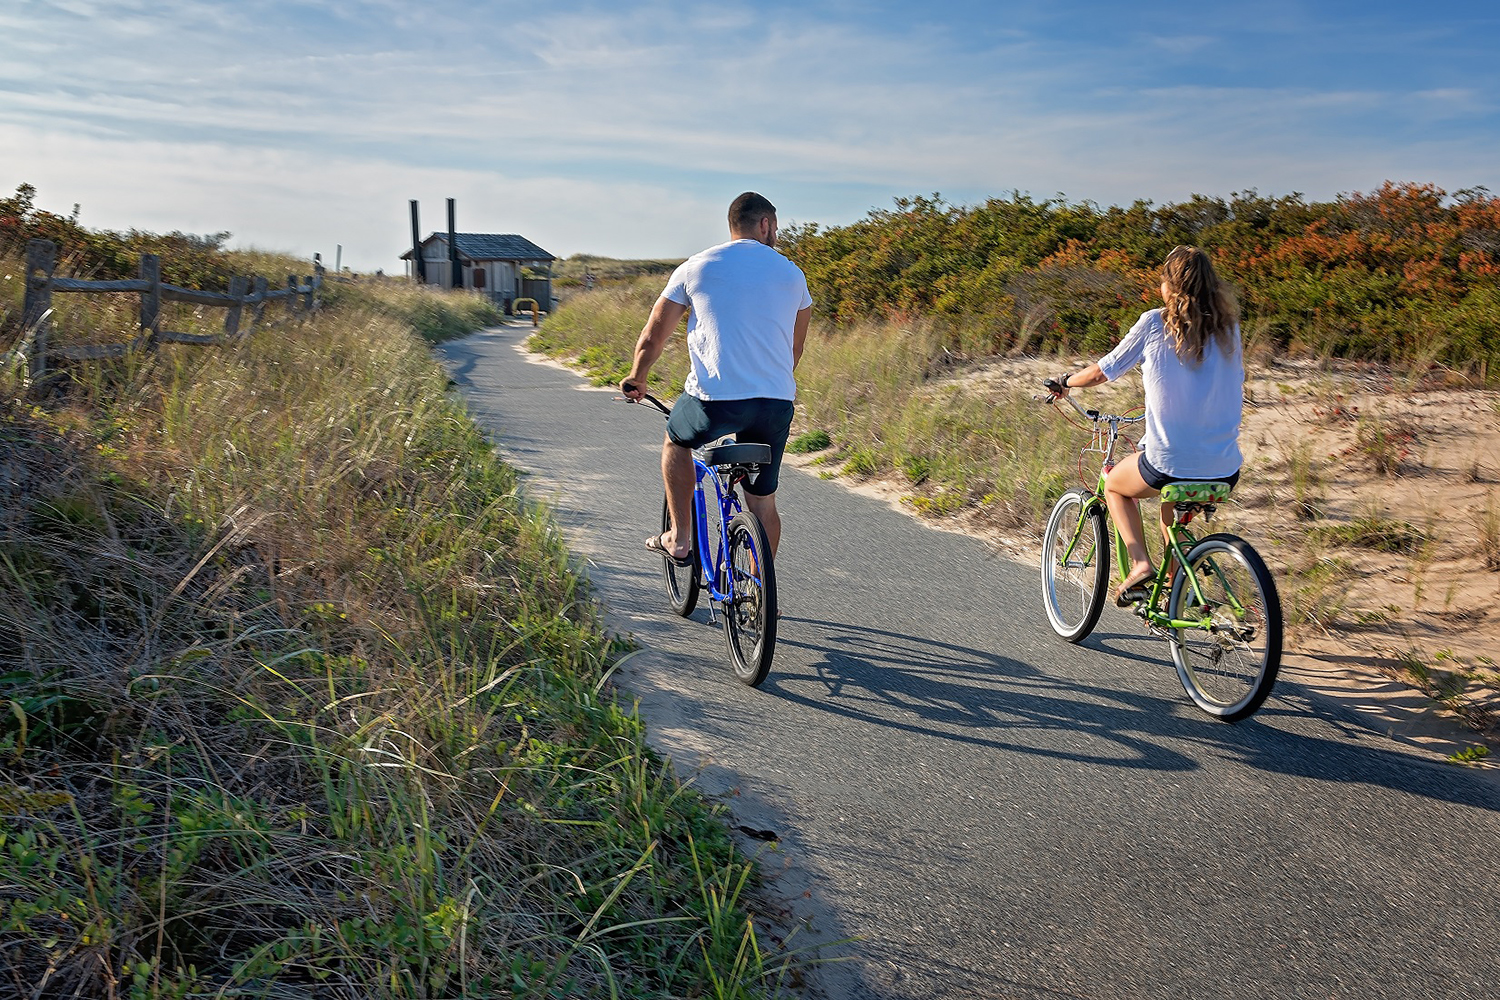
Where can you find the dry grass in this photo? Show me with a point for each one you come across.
(303, 699)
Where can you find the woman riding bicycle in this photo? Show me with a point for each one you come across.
(1192, 365)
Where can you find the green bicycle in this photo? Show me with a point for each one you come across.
(1212, 599)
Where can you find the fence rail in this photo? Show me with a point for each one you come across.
(245, 296)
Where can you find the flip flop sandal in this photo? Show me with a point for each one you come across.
(654, 544)
(1136, 592)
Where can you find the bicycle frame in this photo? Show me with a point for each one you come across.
(728, 506)
(711, 564)
(1179, 540)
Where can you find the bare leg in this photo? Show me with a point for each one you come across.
(1122, 489)
(1168, 514)
(764, 509)
(677, 474)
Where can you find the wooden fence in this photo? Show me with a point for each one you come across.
(246, 298)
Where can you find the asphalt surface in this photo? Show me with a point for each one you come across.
(984, 810)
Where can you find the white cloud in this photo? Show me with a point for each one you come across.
(621, 129)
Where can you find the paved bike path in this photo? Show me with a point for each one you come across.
(990, 811)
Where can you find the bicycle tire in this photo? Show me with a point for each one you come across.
(682, 582)
(1075, 564)
(750, 614)
(1229, 668)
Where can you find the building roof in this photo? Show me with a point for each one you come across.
(491, 246)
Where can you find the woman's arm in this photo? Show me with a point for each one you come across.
(1091, 376)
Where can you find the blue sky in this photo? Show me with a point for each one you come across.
(626, 128)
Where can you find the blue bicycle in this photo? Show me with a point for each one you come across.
(731, 556)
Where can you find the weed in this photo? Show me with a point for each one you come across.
(1472, 754)
(1332, 406)
(917, 468)
(1487, 525)
(942, 503)
(1308, 494)
(1374, 530)
(861, 462)
(1385, 442)
(1319, 591)
(809, 441)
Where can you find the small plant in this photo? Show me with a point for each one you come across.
(1333, 406)
(1308, 497)
(1385, 442)
(1487, 523)
(917, 468)
(811, 441)
(1375, 531)
(940, 504)
(1471, 754)
(861, 462)
(1319, 592)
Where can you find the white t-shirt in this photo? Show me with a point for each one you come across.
(1192, 411)
(744, 298)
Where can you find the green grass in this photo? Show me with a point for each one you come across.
(808, 442)
(882, 391)
(301, 697)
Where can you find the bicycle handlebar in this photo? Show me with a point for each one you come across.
(646, 397)
(1094, 415)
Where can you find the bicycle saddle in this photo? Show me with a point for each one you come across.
(737, 454)
(1208, 491)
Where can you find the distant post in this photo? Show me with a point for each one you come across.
(262, 289)
(419, 263)
(455, 276)
(41, 262)
(238, 286)
(151, 300)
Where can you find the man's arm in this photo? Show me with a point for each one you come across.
(799, 334)
(665, 316)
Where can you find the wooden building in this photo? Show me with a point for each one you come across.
(491, 263)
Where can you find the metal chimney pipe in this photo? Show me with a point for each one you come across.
(419, 266)
(453, 271)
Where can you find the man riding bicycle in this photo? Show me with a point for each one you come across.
(748, 310)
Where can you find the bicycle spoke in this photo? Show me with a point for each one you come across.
(1229, 662)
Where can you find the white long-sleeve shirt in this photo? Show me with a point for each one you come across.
(1192, 411)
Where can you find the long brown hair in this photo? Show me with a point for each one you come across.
(1199, 307)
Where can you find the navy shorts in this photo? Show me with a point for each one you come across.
(1156, 479)
(696, 422)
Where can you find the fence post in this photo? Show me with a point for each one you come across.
(151, 300)
(291, 299)
(238, 286)
(41, 262)
(262, 288)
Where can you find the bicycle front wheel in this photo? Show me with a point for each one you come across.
(1075, 564)
(1229, 663)
(750, 612)
(681, 581)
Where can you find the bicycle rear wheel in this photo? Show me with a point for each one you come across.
(1075, 564)
(682, 582)
(750, 613)
(1229, 664)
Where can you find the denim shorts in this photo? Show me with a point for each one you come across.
(696, 422)
(1156, 479)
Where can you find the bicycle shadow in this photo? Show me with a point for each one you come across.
(953, 692)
